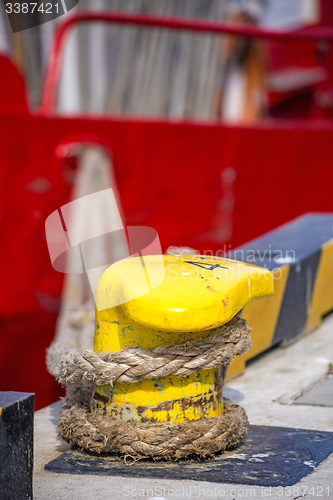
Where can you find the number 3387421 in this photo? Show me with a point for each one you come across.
(31, 7)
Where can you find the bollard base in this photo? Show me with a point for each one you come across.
(270, 456)
(96, 432)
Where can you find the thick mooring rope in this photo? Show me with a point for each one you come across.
(134, 364)
(96, 431)
(100, 433)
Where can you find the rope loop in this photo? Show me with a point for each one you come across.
(133, 364)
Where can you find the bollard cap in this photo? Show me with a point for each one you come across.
(181, 292)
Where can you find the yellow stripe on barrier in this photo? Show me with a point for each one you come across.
(262, 316)
(322, 296)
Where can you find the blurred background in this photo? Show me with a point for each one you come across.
(154, 72)
(210, 139)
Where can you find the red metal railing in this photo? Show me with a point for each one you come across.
(53, 68)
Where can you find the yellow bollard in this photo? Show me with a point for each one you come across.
(196, 295)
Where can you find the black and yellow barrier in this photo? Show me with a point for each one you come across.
(300, 255)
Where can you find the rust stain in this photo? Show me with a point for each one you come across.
(226, 301)
(102, 398)
(203, 401)
(141, 409)
(119, 412)
(218, 385)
